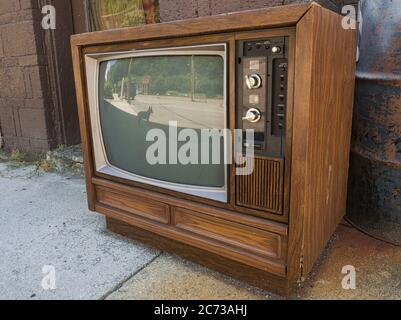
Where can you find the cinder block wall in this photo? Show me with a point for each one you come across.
(26, 118)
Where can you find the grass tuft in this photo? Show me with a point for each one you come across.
(45, 165)
(17, 155)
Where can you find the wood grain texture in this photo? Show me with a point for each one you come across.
(324, 90)
(159, 43)
(146, 208)
(256, 277)
(237, 254)
(84, 122)
(247, 20)
(254, 240)
(233, 216)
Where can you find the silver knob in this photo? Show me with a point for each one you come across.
(254, 81)
(253, 115)
(276, 49)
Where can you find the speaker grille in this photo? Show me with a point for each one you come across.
(263, 189)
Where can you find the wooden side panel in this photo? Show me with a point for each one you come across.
(263, 189)
(84, 123)
(324, 89)
(259, 242)
(146, 208)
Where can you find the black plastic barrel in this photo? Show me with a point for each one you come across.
(374, 202)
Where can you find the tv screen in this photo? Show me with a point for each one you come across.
(142, 96)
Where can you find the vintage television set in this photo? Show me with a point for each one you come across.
(287, 73)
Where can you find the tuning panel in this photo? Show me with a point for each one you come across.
(279, 96)
(262, 80)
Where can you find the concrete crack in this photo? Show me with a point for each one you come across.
(121, 284)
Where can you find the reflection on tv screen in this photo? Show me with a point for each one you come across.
(143, 93)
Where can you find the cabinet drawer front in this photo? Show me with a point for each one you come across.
(255, 241)
(145, 208)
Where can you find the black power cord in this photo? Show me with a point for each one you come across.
(371, 235)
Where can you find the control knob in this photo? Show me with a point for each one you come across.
(276, 49)
(253, 115)
(254, 81)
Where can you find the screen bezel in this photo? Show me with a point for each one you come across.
(102, 165)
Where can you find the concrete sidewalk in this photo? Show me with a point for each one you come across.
(44, 222)
(378, 275)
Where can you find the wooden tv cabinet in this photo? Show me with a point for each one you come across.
(273, 247)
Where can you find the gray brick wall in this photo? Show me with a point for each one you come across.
(25, 104)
